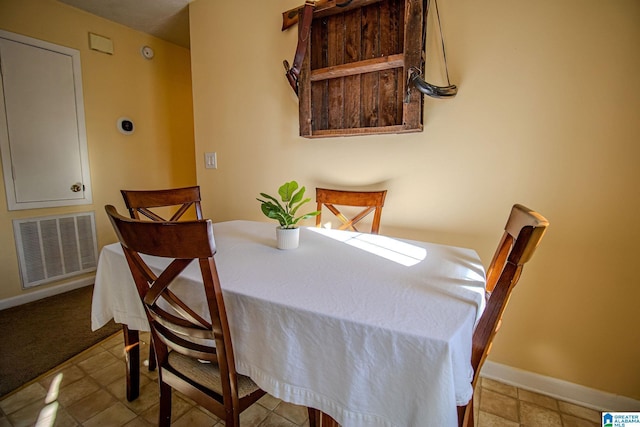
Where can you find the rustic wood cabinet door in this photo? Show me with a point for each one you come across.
(353, 80)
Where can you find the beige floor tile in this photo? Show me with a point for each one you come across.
(32, 393)
(195, 417)
(507, 390)
(28, 415)
(76, 391)
(580, 411)
(538, 399)
(116, 341)
(141, 422)
(151, 415)
(70, 373)
(87, 354)
(253, 416)
(294, 413)
(275, 420)
(117, 350)
(270, 402)
(91, 405)
(109, 373)
(97, 362)
(573, 421)
(536, 416)
(38, 414)
(115, 416)
(151, 375)
(499, 404)
(183, 397)
(60, 418)
(179, 407)
(485, 419)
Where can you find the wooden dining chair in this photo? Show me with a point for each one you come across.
(171, 204)
(195, 355)
(523, 232)
(371, 201)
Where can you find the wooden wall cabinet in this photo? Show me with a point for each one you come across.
(354, 76)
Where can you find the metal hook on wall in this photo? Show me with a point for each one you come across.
(414, 78)
(414, 75)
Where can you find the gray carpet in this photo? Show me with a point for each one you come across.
(40, 335)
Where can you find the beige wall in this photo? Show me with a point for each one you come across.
(547, 116)
(155, 94)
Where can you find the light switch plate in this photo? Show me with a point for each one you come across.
(210, 161)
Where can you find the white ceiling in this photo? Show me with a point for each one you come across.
(165, 19)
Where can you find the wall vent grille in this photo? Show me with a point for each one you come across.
(55, 247)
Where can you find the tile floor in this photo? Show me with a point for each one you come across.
(89, 390)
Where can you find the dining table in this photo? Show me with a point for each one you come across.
(370, 329)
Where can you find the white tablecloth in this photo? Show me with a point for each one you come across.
(373, 331)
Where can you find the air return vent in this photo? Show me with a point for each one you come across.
(55, 247)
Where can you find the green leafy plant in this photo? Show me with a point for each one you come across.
(285, 213)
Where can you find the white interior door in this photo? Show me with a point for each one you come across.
(43, 135)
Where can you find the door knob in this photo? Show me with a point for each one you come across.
(76, 187)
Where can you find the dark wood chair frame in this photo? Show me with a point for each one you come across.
(371, 201)
(142, 204)
(523, 232)
(180, 333)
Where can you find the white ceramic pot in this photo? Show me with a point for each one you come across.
(288, 238)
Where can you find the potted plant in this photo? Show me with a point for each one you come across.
(284, 211)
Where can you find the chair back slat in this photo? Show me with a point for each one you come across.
(184, 310)
(176, 340)
(371, 201)
(523, 232)
(163, 205)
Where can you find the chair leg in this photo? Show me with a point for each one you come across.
(327, 421)
(314, 417)
(317, 418)
(233, 418)
(470, 421)
(132, 356)
(152, 356)
(465, 415)
(165, 404)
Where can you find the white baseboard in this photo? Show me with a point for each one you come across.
(559, 389)
(46, 292)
